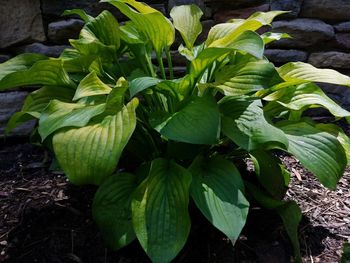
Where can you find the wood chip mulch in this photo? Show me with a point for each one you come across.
(27, 189)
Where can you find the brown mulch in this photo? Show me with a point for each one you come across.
(43, 218)
(324, 210)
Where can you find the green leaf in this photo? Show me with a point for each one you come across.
(345, 258)
(59, 114)
(218, 191)
(206, 58)
(224, 36)
(303, 72)
(111, 209)
(289, 211)
(341, 136)
(105, 28)
(240, 79)
(270, 173)
(90, 154)
(318, 151)
(139, 84)
(80, 12)
(160, 210)
(305, 96)
(100, 36)
(245, 124)
(91, 85)
(269, 37)
(43, 72)
(186, 19)
(154, 25)
(115, 99)
(198, 122)
(21, 62)
(36, 102)
(249, 42)
(74, 61)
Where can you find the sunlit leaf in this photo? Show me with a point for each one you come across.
(186, 19)
(88, 155)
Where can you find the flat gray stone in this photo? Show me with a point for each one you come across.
(231, 4)
(342, 27)
(20, 21)
(326, 9)
(50, 51)
(287, 5)
(339, 94)
(284, 56)
(305, 32)
(343, 40)
(330, 59)
(11, 102)
(57, 7)
(227, 14)
(172, 3)
(61, 31)
(4, 58)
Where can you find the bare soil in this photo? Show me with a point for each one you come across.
(43, 218)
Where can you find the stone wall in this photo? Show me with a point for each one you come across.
(320, 30)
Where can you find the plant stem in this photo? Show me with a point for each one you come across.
(150, 66)
(161, 65)
(170, 63)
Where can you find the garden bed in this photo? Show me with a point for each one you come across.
(46, 219)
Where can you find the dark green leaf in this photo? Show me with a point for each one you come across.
(198, 122)
(111, 209)
(246, 125)
(270, 173)
(218, 191)
(319, 151)
(160, 210)
(243, 79)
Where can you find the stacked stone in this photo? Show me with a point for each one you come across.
(320, 31)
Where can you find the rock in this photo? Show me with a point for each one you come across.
(229, 4)
(159, 7)
(206, 26)
(287, 5)
(57, 7)
(342, 27)
(305, 32)
(226, 14)
(12, 102)
(172, 3)
(343, 40)
(326, 9)
(61, 31)
(4, 58)
(20, 21)
(333, 59)
(51, 51)
(284, 56)
(339, 94)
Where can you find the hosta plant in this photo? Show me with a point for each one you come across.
(115, 114)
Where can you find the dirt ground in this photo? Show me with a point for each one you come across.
(43, 218)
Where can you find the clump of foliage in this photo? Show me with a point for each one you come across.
(114, 97)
